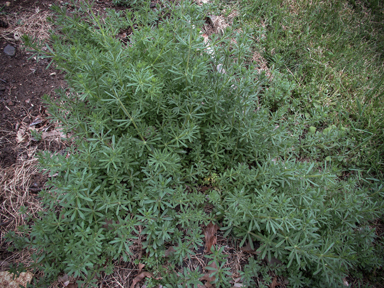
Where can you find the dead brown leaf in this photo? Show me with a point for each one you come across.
(20, 136)
(210, 237)
(169, 251)
(140, 277)
(141, 266)
(248, 249)
(274, 283)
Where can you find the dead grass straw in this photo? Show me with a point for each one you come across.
(32, 23)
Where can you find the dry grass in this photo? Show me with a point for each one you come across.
(218, 24)
(14, 186)
(32, 23)
(261, 64)
(17, 180)
(19, 187)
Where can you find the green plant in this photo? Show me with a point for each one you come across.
(152, 121)
(256, 270)
(37, 136)
(129, 2)
(331, 53)
(216, 268)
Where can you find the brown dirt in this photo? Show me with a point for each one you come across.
(23, 82)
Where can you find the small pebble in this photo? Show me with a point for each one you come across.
(10, 50)
(10, 103)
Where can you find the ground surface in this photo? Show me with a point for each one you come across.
(23, 82)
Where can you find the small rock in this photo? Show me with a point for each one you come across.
(10, 50)
(152, 5)
(10, 103)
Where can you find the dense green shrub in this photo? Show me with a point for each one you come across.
(152, 121)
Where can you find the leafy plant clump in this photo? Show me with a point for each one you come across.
(129, 2)
(152, 121)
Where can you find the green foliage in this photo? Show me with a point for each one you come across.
(218, 271)
(151, 121)
(129, 2)
(278, 95)
(332, 53)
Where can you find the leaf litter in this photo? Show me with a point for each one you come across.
(141, 276)
(248, 249)
(210, 236)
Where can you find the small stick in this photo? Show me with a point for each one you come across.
(3, 80)
(5, 223)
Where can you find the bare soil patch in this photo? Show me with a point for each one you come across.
(23, 82)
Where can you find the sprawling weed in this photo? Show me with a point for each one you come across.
(153, 120)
